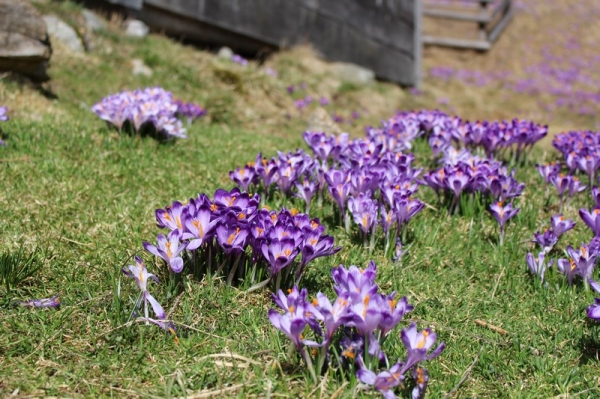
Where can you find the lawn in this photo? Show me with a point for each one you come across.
(79, 198)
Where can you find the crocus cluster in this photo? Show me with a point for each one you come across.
(238, 59)
(548, 239)
(352, 329)
(151, 110)
(466, 173)
(444, 131)
(580, 151)
(367, 179)
(190, 111)
(230, 235)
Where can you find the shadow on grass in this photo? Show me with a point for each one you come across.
(40, 87)
(589, 345)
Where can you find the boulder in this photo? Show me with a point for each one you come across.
(136, 28)
(24, 44)
(225, 53)
(139, 68)
(63, 32)
(352, 73)
(93, 22)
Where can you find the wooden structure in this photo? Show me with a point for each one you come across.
(491, 16)
(382, 35)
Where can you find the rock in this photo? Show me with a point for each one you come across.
(25, 47)
(136, 28)
(139, 68)
(64, 33)
(93, 22)
(320, 121)
(352, 73)
(225, 53)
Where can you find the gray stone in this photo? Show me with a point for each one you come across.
(92, 21)
(352, 73)
(64, 33)
(24, 47)
(139, 68)
(225, 53)
(320, 121)
(136, 28)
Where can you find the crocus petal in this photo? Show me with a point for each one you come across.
(158, 310)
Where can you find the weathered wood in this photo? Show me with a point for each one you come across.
(459, 16)
(24, 44)
(459, 43)
(377, 34)
(490, 24)
(499, 28)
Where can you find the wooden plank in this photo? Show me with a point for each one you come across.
(133, 4)
(457, 15)
(459, 43)
(499, 28)
(500, 9)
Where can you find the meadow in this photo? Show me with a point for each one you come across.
(79, 199)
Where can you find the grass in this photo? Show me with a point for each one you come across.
(85, 196)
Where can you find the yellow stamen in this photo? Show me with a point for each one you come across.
(421, 343)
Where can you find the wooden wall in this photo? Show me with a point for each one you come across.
(381, 35)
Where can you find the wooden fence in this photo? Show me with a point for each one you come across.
(491, 17)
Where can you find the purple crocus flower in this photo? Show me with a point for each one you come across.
(232, 238)
(339, 187)
(421, 377)
(3, 114)
(547, 240)
(279, 254)
(560, 225)
(537, 267)
(591, 219)
(199, 227)
(392, 312)
(238, 59)
(170, 217)
(593, 311)
(53, 302)
(243, 177)
(584, 259)
(168, 249)
(364, 211)
(306, 190)
(568, 268)
(457, 181)
(354, 279)
(575, 186)
(298, 314)
(502, 213)
(334, 315)
(418, 344)
(315, 245)
(596, 196)
(383, 382)
(141, 276)
(548, 170)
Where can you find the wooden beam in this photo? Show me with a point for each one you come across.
(459, 43)
(457, 15)
(499, 28)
